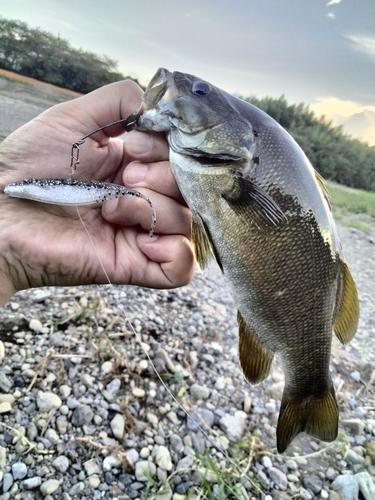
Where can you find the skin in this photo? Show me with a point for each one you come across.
(46, 245)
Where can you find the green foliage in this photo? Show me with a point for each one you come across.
(38, 54)
(335, 155)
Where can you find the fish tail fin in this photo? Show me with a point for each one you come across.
(317, 416)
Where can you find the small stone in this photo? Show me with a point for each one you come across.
(19, 470)
(7, 398)
(199, 391)
(94, 481)
(312, 482)
(247, 404)
(49, 487)
(7, 481)
(133, 456)
(305, 494)
(278, 477)
(163, 458)
(176, 443)
(114, 385)
(107, 367)
(3, 457)
(118, 426)
(142, 467)
(291, 464)
(87, 380)
(35, 325)
(138, 392)
(5, 382)
(48, 401)
(366, 485)
(82, 415)
(355, 425)
(32, 482)
(233, 425)
(331, 474)
(266, 462)
(92, 467)
(110, 462)
(356, 376)
(52, 436)
(61, 463)
(353, 458)
(5, 407)
(346, 486)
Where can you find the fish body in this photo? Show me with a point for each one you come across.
(262, 211)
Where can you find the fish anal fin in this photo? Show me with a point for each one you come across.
(249, 200)
(317, 416)
(255, 357)
(202, 245)
(347, 309)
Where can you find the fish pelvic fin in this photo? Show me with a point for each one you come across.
(202, 246)
(248, 199)
(317, 416)
(347, 309)
(255, 357)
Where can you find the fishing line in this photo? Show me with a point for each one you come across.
(139, 340)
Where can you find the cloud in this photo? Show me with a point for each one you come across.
(363, 43)
(357, 120)
(331, 15)
(332, 2)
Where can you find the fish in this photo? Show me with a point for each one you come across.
(262, 212)
(74, 192)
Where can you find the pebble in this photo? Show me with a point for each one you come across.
(82, 415)
(138, 392)
(49, 486)
(163, 458)
(312, 482)
(5, 407)
(92, 467)
(19, 470)
(47, 401)
(118, 426)
(32, 483)
(61, 463)
(199, 391)
(111, 462)
(366, 485)
(233, 425)
(278, 477)
(35, 325)
(346, 486)
(7, 481)
(142, 467)
(5, 382)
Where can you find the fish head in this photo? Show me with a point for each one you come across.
(199, 118)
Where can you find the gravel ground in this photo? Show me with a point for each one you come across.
(84, 415)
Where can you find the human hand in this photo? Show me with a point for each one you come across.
(44, 245)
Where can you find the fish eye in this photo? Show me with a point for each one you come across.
(201, 88)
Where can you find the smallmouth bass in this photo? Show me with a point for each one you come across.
(262, 212)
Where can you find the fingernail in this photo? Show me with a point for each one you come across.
(110, 206)
(135, 172)
(137, 143)
(146, 238)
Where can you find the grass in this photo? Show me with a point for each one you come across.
(10, 79)
(352, 207)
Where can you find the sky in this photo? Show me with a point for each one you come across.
(320, 52)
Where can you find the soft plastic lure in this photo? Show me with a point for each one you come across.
(73, 192)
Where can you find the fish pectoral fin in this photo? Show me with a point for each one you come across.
(318, 417)
(203, 249)
(245, 197)
(347, 307)
(255, 357)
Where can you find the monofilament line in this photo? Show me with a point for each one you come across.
(139, 340)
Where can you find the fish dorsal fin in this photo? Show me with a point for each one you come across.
(255, 357)
(202, 245)
(347, 307)
(323, 187)
(246, 198)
